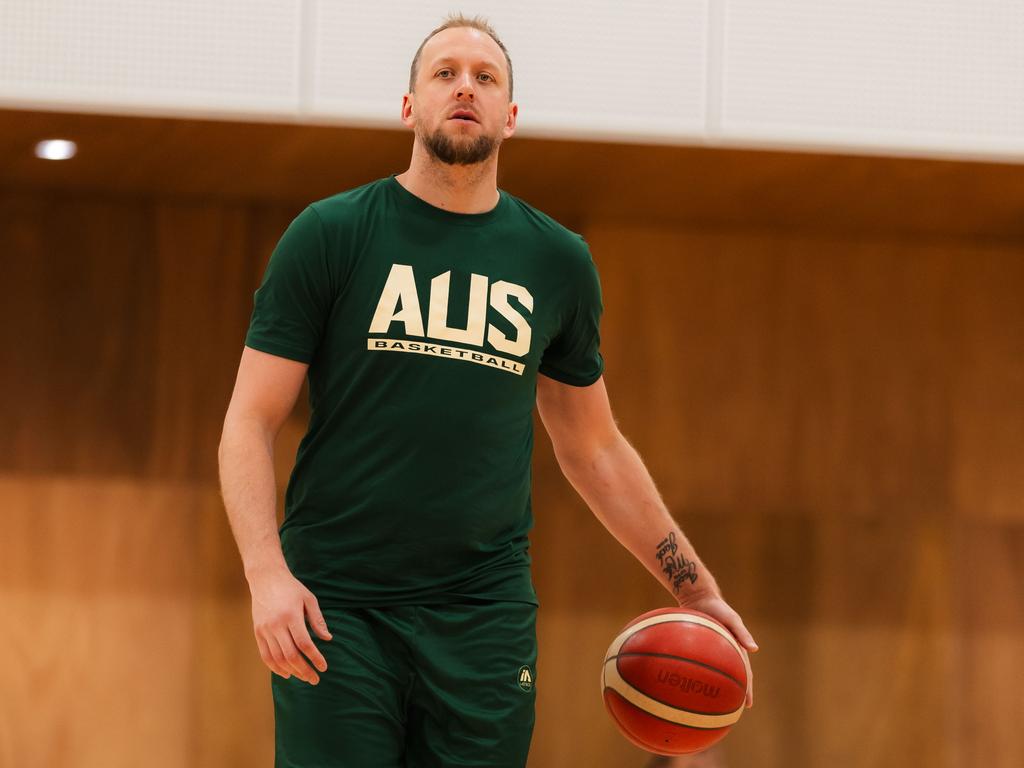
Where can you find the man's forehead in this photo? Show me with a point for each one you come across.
(448, 58)
(457, 43)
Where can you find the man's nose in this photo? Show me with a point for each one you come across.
(464, 88)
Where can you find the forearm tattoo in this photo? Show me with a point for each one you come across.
(674, 565)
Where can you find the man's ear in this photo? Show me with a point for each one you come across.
(407, 116)
(510, 120)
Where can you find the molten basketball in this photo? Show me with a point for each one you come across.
(674, 681)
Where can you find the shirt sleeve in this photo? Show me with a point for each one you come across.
(291, 306)
(574, 354)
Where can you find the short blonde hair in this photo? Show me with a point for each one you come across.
(458, 20)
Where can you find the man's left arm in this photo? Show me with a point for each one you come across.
(611, 477)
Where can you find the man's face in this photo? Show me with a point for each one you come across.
(460, 108)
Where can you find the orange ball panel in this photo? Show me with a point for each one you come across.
(689, 641)
(656, 735)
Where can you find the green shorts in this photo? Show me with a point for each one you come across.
(415, 687)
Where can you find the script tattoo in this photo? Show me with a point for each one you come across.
(674, 565)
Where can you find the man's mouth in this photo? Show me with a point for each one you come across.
(463, 114)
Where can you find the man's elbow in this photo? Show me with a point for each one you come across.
(224, 446)
(571, 464)
(584, 458)
(242, 430)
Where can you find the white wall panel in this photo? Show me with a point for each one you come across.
(214, 55)
(602, 67)
(943, 77)
(918, 74)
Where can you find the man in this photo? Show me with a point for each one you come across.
(423, 307)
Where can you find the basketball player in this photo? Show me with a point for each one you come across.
(431, 312)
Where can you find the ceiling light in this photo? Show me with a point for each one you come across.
(56, 149)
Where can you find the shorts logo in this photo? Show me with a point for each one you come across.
(525, 678)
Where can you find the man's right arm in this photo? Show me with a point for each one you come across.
(265, 392)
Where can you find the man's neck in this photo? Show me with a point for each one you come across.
(455, 188)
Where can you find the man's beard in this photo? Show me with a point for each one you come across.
(449, 152)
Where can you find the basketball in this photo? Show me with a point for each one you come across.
(674, 681)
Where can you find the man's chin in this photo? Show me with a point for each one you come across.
(461, 162)
(458, 148)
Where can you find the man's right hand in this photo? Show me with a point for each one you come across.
(281, 606)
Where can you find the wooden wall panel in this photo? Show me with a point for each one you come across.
(127, 627)
(990, 670)
(988, 581)
(789, 344)
(75, 327)
(988, 418)
(208, 261)
(125, 330)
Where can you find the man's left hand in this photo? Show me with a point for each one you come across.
(717, 608)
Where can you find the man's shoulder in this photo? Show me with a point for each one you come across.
(350, 202)
(553, 231)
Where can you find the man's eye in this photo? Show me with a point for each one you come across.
(486, 77)
(444, 72)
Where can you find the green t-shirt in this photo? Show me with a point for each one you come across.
(424, 331)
